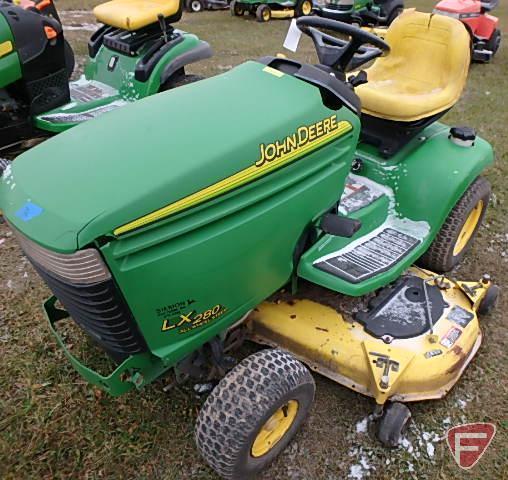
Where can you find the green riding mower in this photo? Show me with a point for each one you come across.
(266, 10)
(165, 248)
(136, 53)
(360, 12)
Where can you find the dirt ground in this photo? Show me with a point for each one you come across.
(54, 425)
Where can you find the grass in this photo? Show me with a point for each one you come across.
(54, 425)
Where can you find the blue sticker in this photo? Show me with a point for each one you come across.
(28, 211)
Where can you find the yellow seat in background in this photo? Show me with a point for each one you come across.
(425, 71)
(134, 14)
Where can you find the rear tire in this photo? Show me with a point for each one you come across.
(263, 13)
(173, 83)
(70, 61)
(236, 9)
(393, 424)
(443, 254)
(303, 8)
(253, 413)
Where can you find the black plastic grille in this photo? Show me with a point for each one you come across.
(100, 311)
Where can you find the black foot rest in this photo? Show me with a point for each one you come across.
(375, 255)
(400, 311)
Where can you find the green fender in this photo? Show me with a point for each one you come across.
(10, 67)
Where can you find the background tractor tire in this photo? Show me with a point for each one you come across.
(494, 42)
(393, 424)
(443, 254)
(180, 81)
(236, 9)
(303, 8)
(194, 6)
(263, 13)
(253, 413)
(70, 61)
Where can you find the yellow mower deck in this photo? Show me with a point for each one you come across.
(407, 369)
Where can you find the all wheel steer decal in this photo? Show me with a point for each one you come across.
(186, 322)
(272, 156)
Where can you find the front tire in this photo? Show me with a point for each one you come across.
(263, 13)
(253, 413)
(459, 230)
(194, 6)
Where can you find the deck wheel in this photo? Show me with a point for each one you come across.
(393, 424)
(263, 13)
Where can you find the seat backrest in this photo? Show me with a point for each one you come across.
(136, 14)
(428, 52)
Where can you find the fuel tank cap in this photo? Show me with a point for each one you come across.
(462, 136)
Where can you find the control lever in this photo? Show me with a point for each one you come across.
(338, 226)
(164, 27)
(359, 79)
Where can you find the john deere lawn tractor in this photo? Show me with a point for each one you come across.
(162, 241)
(136, 53)
(266, 10)
(360, 12)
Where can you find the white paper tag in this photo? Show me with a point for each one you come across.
(293, 37)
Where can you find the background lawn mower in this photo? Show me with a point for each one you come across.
(483, 28)
(164, 262)
(266, 10)
(360, 12)
(195, 6)
(136, 53)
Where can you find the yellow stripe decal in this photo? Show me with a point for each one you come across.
(5, 48)
(242, 177)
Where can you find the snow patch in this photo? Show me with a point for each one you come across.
(362, 425)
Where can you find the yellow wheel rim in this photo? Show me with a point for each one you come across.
(266, 15)
(468, 228)
(306, 8)
(274, 429)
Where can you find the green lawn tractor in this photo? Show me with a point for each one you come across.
(163, 242)
(266, 10)
(136, 53)
(360, 12)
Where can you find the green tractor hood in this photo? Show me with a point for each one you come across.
(106, 173)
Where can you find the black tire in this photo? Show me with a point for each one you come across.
(194, 6)
(489, 301)
(236, 9)
(180, 81)
(393, 423)
(70, 61)
(243, 402)
(395, 13)
(494, 42)
(303, 8)
(440, 256)
(263, 13)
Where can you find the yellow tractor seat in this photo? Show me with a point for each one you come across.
(134, 14)
(425, 71)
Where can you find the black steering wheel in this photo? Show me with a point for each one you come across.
(339, 54)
